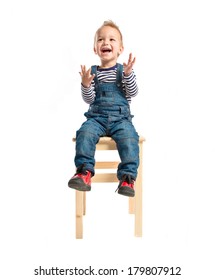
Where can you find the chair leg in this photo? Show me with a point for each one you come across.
(131, 205)
(84, 203)
(138, 199)
(79, 214)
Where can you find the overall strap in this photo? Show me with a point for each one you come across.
(119, 73)
(93, 71)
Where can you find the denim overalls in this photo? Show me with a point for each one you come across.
(109, 115)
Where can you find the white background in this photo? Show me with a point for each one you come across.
(42, 46)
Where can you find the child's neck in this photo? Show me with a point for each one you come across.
(107, 64)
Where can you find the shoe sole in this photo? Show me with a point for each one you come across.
(126, 191)
(78, 185)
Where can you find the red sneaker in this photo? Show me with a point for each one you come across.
(126, 186)
(81, 181)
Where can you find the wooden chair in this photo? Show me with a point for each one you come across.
(135, 203)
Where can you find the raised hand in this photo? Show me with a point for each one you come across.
(86, 77)
(127, 67)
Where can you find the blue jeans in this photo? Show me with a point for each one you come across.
(113, 122)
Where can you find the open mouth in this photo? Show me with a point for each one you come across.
(106, 50)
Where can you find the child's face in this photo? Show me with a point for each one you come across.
(108, 45)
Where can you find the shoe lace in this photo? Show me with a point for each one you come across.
(125, 178)
(81, 169)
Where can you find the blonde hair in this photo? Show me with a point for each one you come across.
(111, 24)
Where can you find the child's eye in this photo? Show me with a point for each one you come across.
(112, 39)
(100, 39)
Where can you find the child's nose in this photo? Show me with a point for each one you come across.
(105, 41)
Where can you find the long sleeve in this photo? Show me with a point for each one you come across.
(88, 94)
(131, 88)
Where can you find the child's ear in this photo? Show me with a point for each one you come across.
(95, 50)
(120, 50)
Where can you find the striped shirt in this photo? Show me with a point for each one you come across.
(108, 75)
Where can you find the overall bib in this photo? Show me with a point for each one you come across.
(109, 115)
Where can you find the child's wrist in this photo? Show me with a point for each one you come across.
(127, 75)
(85, 86)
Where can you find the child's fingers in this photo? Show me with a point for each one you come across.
(130, 57)
(89, 72)
(134, 60)
(83, 69)
(92, 77)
